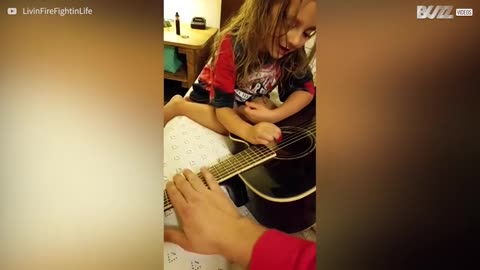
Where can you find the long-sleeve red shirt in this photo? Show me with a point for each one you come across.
(280, 251)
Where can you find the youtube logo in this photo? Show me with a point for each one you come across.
(12, 11)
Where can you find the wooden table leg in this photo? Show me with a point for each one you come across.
(191, 70)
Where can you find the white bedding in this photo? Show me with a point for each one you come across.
(190, 145)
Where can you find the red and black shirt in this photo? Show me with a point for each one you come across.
(219, 85)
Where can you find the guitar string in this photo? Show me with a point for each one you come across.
(288, 140)
(283, 144)
(226, 170)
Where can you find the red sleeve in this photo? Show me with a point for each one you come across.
(224, 75)
(277, 250)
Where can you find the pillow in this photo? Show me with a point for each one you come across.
(171, 61)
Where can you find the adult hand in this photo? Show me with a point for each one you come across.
(211, 222)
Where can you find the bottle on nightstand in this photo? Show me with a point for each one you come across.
(177, 23)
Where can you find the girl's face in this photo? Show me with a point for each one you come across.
(299, 27)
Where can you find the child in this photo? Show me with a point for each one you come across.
(260, 48)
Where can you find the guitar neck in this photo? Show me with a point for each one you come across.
(232, 166)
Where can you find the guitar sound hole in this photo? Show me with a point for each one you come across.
(296, 143)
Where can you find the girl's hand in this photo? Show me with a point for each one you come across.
(258, 112)
(263, 133)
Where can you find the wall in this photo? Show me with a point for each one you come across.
(187, 9)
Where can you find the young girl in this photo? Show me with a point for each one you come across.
(260, 48)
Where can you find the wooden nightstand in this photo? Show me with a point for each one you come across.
(196, 48)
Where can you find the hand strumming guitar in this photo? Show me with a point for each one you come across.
(263, 133)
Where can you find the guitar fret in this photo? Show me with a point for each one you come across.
(166, 200)
(222, 164)
(215, 171)
(218, 170)
(239, 161)
(250, 156)
(233, 163)
(256, 156)
(204, 180)
(264, 152)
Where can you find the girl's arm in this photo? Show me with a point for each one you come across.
(224, 97)
(233, 122)
(257, 112)
(261, 133)
(294, 103)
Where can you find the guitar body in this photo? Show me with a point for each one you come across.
(282, 191)
(277, 182)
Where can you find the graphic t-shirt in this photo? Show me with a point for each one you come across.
(226, 91)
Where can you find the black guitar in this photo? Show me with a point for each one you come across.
(280, 179)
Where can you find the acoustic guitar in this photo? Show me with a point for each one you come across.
(280, 179)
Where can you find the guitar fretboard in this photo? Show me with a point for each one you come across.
(232, 166)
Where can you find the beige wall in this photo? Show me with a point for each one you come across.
(187, 9)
